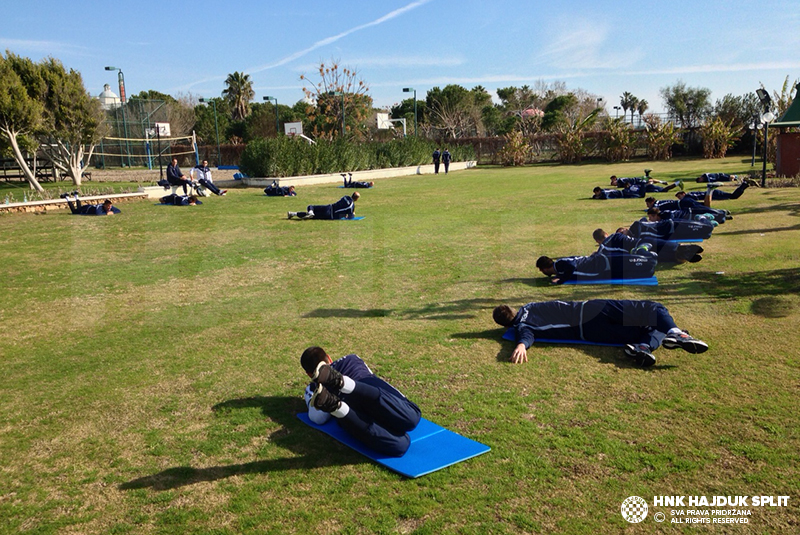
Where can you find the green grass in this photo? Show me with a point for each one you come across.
(150, 362)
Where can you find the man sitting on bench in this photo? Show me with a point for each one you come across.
(642, 325)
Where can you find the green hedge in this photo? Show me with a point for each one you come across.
(292, 156)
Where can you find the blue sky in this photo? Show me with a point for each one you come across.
(604, 47)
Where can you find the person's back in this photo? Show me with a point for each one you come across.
(344, 208)
(669, 229)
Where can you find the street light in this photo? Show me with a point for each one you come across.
(216, 127)
(766, 118)
(409, 90)
(123, 101)
(336, 94)
(616, 113)
(271, 99)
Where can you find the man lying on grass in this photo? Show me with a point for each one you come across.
(344, 208)
(364, 405)
(641, 325)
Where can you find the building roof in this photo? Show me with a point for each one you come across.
(792, 115)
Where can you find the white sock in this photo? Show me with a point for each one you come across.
(342, 411)
(349, 385)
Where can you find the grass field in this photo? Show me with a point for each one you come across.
(149, 368)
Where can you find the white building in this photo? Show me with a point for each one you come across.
(108, 99)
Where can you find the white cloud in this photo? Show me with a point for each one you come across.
(48, 48)
(332, 39)
(583, 44)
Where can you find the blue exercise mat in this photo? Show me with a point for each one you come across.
(351, 187)
(509, 335)
(649, 281)
(432, 447)
(358, 218)
(689, 240)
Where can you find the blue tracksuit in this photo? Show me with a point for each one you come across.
(632, 192)
(640, 182)
(601, 266)
(607, 321)
(622, 243)
(672, 229)
(380, 415)
(718, 194)
(344, 208)
(715, 177)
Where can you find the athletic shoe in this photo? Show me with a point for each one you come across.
(324, 401)
(683, 341)
(640, 353)
(309, 215)
(679, 183)
(64, 195)
(647, 172)
(685, 252)
(327, 376)
(696, 258)
(223, 192)
(290, 215)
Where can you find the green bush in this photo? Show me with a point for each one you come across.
(290, 156)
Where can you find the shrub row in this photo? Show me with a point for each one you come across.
(292, 156)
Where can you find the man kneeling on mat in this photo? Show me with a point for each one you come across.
(641, 325)
(367, 407)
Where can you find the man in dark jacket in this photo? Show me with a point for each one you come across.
(344, 208)
(642, 325)
(599, 266)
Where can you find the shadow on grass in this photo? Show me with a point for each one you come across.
(606, 355)
(777, 282)
(455, 310)
(283, 410)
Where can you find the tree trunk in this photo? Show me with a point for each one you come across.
(20, 158)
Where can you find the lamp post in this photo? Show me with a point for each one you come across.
(216, 127)
(409, 90)
(754, 127)
(336, 94)
(277, 126)
(766, 118)
(616, 113)
(123, 101)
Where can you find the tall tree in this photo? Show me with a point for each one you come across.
(457, 112)
(74, 122)
(20, 115)
(337, 87)
(641, 107)
(690, 105)
(628, 102)
(45, 103)
(238, 92)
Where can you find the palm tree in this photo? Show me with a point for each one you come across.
(628, 102)
(641, 107)
(239, 92)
